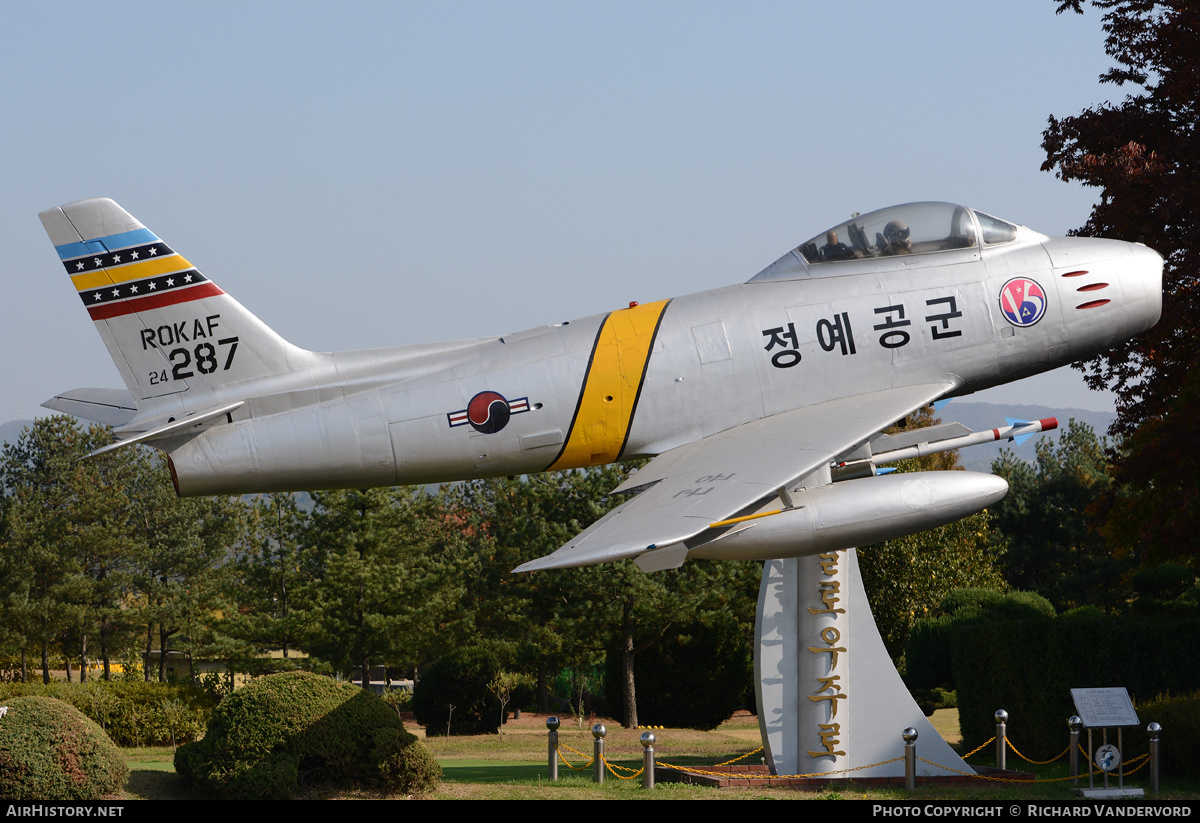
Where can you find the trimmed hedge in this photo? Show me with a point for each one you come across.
(928, 657)
(132, 713)
(50, 751)
(1028, 669)
(289, 732)
(996, 605)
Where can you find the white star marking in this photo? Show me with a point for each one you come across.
(116, 258)
(96, 260)
(187, 278)
(98, 297)
(134, 255)
(152, 285)
(170, 281)
(153, 250)
(116, 292)
(133, 289)
(79, 266)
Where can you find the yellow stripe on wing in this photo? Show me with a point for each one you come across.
(611, 387)
(134, 271)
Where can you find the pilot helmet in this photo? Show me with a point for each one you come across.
(896, 231)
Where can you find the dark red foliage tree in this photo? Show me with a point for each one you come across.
(1143, 153)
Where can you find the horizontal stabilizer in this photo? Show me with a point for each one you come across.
(111, 407)
(171, 428)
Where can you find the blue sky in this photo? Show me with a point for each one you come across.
(385, 173)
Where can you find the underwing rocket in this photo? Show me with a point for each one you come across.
(760, 405)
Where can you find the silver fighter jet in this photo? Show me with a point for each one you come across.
(761, 403)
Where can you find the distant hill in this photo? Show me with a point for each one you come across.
(11, 431)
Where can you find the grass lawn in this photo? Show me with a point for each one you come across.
(513, 766)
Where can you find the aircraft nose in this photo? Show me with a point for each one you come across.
(1147, 269)
(1109, 288)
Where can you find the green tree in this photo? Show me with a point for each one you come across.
(60, 555)
(640, 608)
(1048, 522)
(1151, 516)
(538, 622)
(181, 544)
(572, 617)
(271, 581)
(393, 571)
(906, 578)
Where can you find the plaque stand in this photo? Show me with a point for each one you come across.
(829, 698)
(1104, 709)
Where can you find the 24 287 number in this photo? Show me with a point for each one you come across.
(204, 358)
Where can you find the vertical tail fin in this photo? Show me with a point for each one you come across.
(167, 326)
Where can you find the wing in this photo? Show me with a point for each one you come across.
(719, 476)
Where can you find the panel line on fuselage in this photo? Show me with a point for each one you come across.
(611, 387)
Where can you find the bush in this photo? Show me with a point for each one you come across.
(295, 730)
(1167, 581)
(987, 604)
(50, 751)
(1166, 591)
(132, 713)
(454, 690)
(1085, 612)
(1180, 720)
(930, 700)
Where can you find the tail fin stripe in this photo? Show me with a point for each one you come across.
(119, 305)
(135, 287)
(112, 241)
(103, 258)
(155, 266)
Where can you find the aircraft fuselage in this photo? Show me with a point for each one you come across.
(642, 380)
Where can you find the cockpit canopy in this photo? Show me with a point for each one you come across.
(914, 228)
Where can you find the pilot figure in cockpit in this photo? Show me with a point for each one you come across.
(835, 250)
(895, 238)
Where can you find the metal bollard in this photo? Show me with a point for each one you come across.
(910, 759)
(1155, 731)
(1001, 741)
(647, 760)
(552, 724)
(598, 732)
(1075, 724)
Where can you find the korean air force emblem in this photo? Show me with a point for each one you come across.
(1023, 302)
(488, 412)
